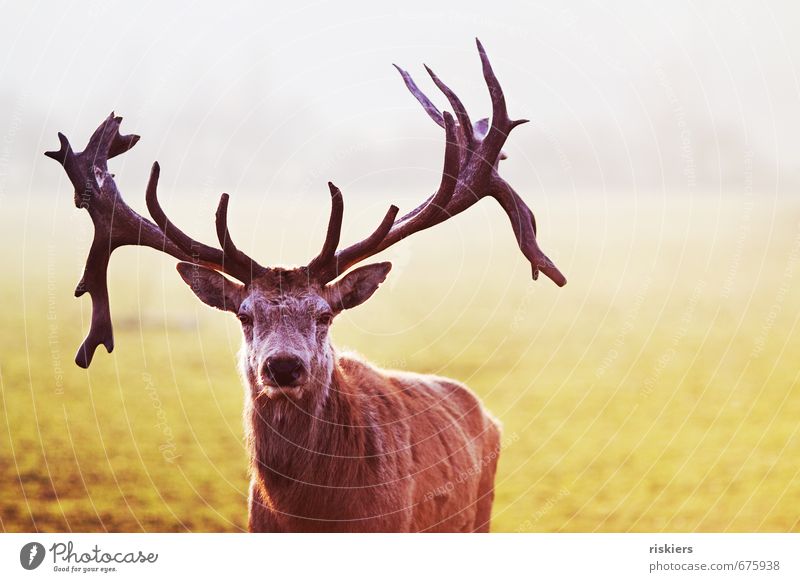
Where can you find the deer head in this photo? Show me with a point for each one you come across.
(286, 313)
(285, 316)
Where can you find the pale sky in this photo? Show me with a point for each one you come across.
(278, 98)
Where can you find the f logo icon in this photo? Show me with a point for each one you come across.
(31, 555)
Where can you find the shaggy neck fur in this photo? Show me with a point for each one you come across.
(302, 448)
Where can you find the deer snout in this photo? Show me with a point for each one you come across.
(284, 371)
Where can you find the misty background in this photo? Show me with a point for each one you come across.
(658, 387)
(274, 99)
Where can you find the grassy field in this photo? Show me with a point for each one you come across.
(658, 391)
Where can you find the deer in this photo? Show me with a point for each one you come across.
(336, 444)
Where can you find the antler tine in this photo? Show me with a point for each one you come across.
(94, 282)
(106, 141)
(433, 210)
(523, 224)
(64, 152)
(357, 252)
(187, 244)
(426, 103)
(464, 123)
(328, 252)
(501, 124)
(425, 216)
(329, 264)
(66, 157)
(235, 262)
(238, 264)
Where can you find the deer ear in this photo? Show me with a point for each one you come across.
(356, 286)
(211, 287)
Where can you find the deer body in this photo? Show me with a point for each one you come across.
(335, 444)
(383, 451)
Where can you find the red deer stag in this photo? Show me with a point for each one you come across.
(336, 444)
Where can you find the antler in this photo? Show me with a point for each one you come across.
(229, 259)
(472, 153)
(116, 224)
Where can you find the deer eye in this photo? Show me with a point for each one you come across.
(245, 319)
(325, 319)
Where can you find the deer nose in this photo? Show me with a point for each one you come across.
(284, 371)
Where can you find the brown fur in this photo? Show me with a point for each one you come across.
(385, 451)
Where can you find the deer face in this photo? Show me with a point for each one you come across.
(285, 318)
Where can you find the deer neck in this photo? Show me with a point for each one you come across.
(304, 440)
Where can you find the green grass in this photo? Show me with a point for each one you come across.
(657, 391)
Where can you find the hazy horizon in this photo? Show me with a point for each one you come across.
(632, 99)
